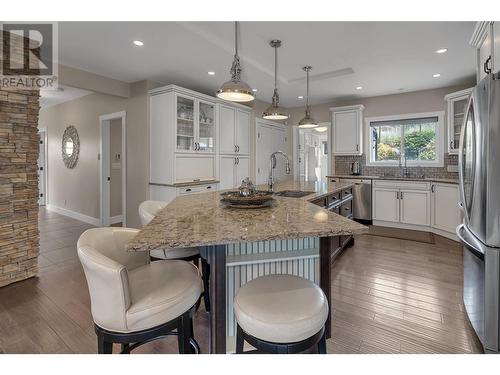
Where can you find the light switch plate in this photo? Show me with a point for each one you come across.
(452, 168)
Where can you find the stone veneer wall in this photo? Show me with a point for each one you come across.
(343, 164)
(19, 148)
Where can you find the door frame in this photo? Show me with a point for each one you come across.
(104, 168)
(45, 166)
(295, 148)
(260, 122)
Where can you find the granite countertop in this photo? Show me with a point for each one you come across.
(201, 220)
(443, 180)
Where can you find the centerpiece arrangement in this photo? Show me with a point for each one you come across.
(247, 196)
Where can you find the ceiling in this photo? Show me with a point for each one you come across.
(382, 57)
(49, 98)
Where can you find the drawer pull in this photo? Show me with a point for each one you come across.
(188, 189)
(209, 187)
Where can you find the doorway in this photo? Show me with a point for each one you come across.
(113, 167)
(271, 137)
(42, 167)
(312, 153)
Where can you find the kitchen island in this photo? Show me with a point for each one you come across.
(293, 236)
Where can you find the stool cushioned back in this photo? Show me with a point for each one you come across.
(105, 263)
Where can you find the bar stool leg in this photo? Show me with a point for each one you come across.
(322, 344)
(125, 348)
(239, 340)
(205, 269)
(104, 347)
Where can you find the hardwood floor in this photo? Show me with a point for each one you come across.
(389, 296)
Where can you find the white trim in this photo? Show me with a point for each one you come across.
(456, 94)
(440, 139)
(356, 107)
(103, 151)
(115, 219)
(74, 215)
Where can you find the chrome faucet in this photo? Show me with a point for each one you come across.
(403, 170)
(272, 165)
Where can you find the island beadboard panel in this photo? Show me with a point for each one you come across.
(19, 148)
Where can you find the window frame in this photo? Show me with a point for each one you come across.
(439, 162)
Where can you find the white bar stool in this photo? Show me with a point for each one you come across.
(134, 301)
(281, 314)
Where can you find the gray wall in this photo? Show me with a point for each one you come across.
(115, 163)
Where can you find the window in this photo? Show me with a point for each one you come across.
(416, 137)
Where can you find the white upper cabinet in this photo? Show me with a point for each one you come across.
(227, 130)
(242, 132)
(456, 107)
(496, 46)
(234, 130)
(486, 40)
(347, 134)
(195, 124)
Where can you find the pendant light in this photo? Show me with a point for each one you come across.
(235, 90)
(308, 121)
(274, 111)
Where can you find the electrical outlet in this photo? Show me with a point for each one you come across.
(452, 168)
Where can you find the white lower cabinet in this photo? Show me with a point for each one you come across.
(414, 207)
(165, 193)
(386, 204)
(446, 214)
(232, 170)
(417, 205)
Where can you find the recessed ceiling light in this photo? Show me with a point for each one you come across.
(254, 90)
(441, 50)
(211, 73)
(138, 43)
(300, 97)
(436, 75)
(359, 88)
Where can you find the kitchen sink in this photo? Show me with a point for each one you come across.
(293, 193)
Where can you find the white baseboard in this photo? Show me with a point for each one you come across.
(116, 219)
(74, 215)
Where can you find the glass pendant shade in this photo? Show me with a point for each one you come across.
(235, 90)
(308, 121)
(275, 111)
(321, 129)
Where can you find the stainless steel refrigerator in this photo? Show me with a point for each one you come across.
(479, 172)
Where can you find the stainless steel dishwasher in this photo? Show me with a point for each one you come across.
(361, 197)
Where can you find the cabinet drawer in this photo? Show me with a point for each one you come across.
(196, 189)
(346, 208)
(194, 168)
(333, 197)
(346, 193)
(396, 184)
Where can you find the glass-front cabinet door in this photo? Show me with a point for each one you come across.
(206, 127)
(185, 124)
(459, 107)
(457, 103)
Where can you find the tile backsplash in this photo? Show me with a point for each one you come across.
(343, 167)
